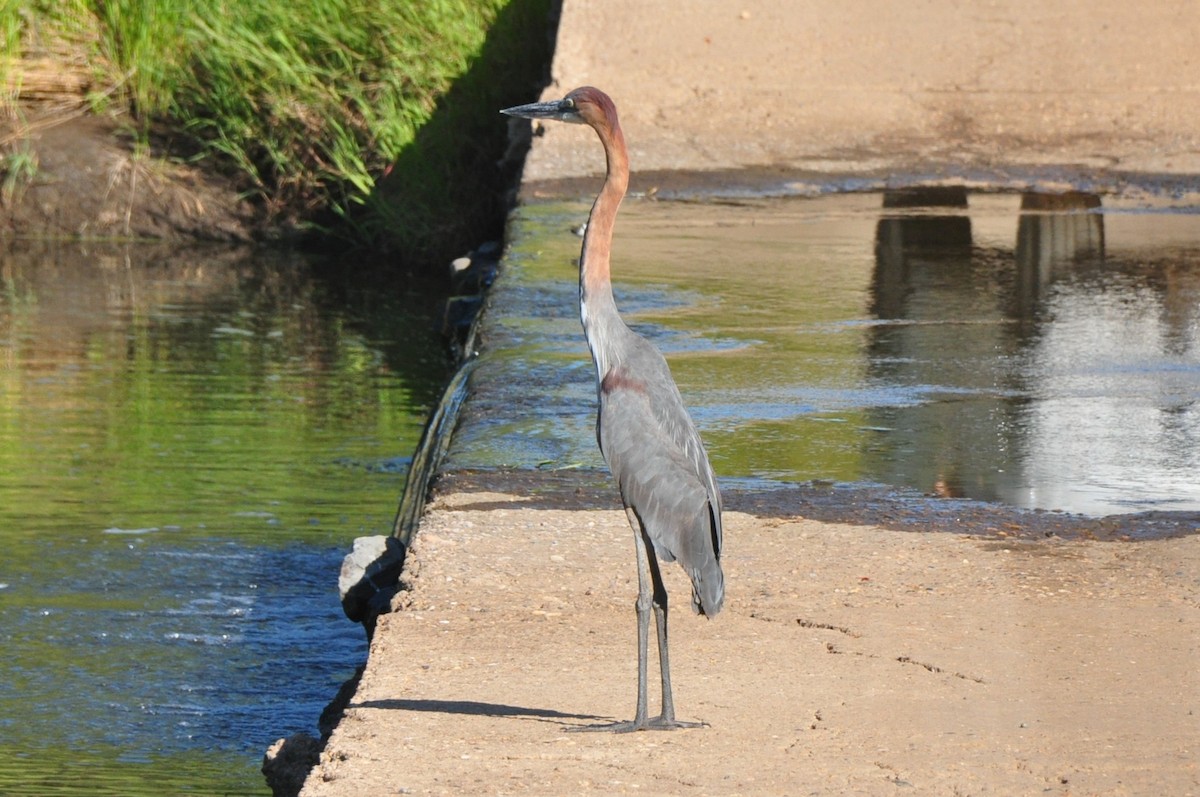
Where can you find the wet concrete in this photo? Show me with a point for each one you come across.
(1152, 188)
(867, 505)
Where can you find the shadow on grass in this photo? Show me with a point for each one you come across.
(447, 191)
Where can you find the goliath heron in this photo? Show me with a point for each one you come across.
(646, 435)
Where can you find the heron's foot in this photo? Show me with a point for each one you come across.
(670, 724)
(651, 724)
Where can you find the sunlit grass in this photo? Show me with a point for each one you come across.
(10, 49)
(310, 102)
(18, 169)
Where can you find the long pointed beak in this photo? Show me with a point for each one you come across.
(556, 109)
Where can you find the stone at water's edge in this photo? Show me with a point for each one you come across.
(288, 762)
(369, 578)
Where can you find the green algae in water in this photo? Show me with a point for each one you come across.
(189, 441)
(1044, 357)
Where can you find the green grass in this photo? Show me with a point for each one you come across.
(10, 40)
(18, 169)
(311, 102)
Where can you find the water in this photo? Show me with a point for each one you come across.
(1041, 357)
(189, 441)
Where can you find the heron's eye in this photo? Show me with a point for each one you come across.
(568, 103)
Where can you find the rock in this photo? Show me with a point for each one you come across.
(287, 763)
(369, 578)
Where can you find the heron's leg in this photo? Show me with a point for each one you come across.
(666, 720)
(643, 605)
(644, 601)
(651, 595)
(660, 624)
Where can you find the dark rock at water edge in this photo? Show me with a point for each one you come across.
(370, 578)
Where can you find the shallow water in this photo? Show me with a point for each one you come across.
(1045, 357)
(189, 441)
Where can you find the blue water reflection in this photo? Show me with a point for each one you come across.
(156, 649)
(189, 441)
(1082, 350)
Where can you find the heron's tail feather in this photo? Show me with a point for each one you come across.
(708, 580)
(708, 591)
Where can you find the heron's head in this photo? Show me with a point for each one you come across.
(584, 105)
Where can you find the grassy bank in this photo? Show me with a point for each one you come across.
(373, 121)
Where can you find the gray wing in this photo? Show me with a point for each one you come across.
(659, 462)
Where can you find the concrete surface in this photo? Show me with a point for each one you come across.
(845, 87)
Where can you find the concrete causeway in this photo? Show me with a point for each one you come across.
(851, 659)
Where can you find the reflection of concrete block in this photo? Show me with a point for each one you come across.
(926, 196)
(1067, 200)
(370, 577)
(1054, 231)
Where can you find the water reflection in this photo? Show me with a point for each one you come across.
(188, 440)
(941, 312)
(1041, 370)
(1039, 351)
(1054, 232)
(1114, 368)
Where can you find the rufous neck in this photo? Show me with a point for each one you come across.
(598, 310)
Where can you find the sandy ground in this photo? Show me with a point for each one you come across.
(848, 660)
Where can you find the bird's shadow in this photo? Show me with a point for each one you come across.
(476, 708)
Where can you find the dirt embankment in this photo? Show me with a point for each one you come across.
(76, 175)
